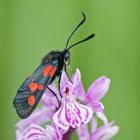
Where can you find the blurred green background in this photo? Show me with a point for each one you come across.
(31, 28)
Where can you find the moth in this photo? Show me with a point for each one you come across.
(51, 66)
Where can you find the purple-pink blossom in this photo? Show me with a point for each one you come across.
(105, 132)
(69, 111)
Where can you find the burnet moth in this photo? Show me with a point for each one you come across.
(32, 89)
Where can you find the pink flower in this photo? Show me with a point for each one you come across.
(35, 132)
(105, 132)
(71, 113)
(95, 93)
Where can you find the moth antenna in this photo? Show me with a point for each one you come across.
(77, 27)
(83, 40)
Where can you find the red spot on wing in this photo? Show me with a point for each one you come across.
(33, 86)
(53, 70)
(40, 87)
(31, 100)
(46, 70)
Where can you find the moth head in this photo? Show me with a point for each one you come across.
(67, 57)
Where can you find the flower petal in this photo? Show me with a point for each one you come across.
(96, 106)
(52, 133)
(105, 132)
(53, 88)
(102, 116)
(59, 118)
(49, 100)
(83, 133)
(98, 89)
(79, 92)
(72, 114)
(35, 132)
(93, 124)
(76, 78)
(38, 117)
(64, 79)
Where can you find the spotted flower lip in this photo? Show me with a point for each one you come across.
(71, 113)
(35, 132)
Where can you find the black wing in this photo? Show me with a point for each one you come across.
(32, 89)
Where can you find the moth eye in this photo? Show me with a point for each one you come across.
(67, 56)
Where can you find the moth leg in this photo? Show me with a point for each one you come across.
(54, 95)
(59, 84)
(67, 73)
